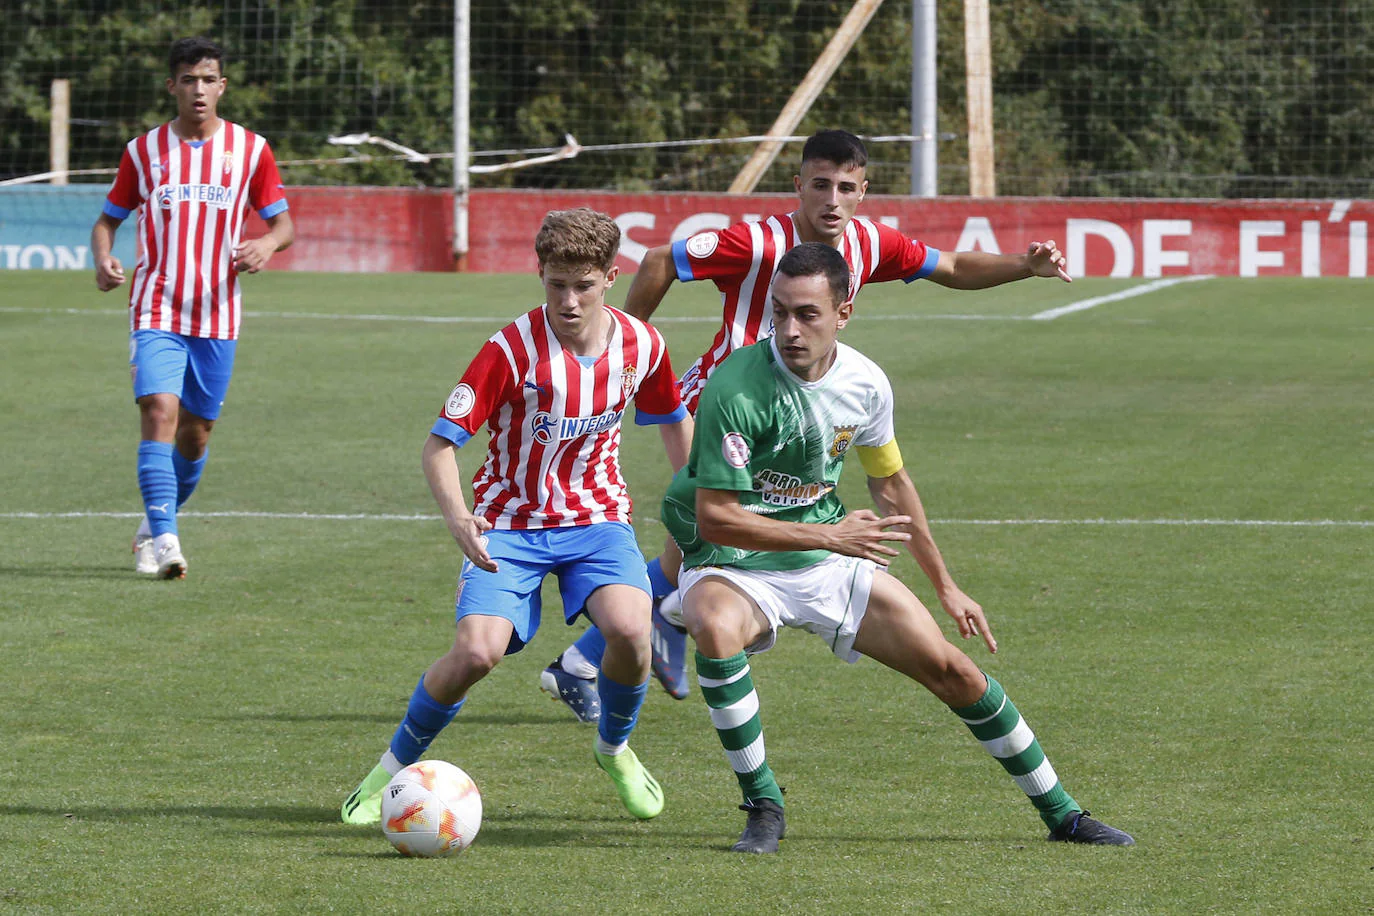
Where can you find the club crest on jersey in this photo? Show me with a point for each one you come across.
(627, 380)
(546, 428)
(228, 167)
(844, 437)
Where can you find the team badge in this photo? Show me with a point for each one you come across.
(844, 437)
(627, 380)
(703, 244)
(735, 449)
(460, 401)
(228, 158)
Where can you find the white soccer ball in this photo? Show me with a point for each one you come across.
(431, 809)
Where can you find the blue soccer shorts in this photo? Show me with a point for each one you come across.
(583, 558)
(195, 369)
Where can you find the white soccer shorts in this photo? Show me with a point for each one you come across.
(828, 598)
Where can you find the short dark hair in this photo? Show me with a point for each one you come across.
(811, 259)
(839, 147)
(191, 51)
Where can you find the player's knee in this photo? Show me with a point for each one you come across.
(470, 662)
(159, 411)
(954, 678)
(627, 633)
(718, 632)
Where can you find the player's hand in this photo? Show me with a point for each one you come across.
(253, 255)
(109, 273)
(1046, 260)
(862, 534)
(468, 534)
(968, 615)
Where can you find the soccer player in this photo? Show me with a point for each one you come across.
(741, 261)
(767, 544)
(192, 181)
(551, 387)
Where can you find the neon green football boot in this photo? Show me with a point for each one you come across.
(364, 806)
(639, 792)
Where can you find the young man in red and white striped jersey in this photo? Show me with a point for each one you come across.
(550, 499)
(742, 261)
(192, 181)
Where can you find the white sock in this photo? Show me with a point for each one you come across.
(670, 608)
(144, 529)
(162, 540)
(605, 748)
(577, 664)
(390, 763)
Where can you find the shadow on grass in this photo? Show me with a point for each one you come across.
(55, 571)
(280, 813)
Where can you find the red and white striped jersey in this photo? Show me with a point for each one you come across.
(553, 460)
(742, 259)
(193, 199)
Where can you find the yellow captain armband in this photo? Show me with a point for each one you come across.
(882, 461)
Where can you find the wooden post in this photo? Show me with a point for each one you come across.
(60, 130)
(805, 94)
(982, 175)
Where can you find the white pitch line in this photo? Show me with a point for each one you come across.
(385, 517)
(1084, 304)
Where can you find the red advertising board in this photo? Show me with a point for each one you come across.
(387, 229)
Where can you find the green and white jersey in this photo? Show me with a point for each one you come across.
(780, 443)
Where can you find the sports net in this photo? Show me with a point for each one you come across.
(1091, 97)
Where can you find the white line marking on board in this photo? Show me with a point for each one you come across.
(387, 517)
(1084, 304)
(1338, 210)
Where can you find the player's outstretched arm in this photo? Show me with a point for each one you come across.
(896, 494)
(981, 269)
(253, 255)
(722, 520)
(656, 273)
(109, 273)
(446, 483)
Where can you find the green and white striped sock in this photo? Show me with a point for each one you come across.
(998, 726)
(729, 693)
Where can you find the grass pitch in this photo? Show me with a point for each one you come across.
(1164, 503)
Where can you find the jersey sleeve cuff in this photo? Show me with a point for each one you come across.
(657, 419)
(927, 267)
(682, 262)
(272, 209)
(445, 428)
(111, 209)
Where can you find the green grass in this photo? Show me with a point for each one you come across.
(184, 747)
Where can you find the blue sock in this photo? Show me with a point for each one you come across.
(157, 480)
(592, 645)
(619, 709)
(425, 718)
(188, 474)
(662, 587)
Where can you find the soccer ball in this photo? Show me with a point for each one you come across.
(431, 809)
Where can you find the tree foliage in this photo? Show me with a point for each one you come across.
(1092, 97)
